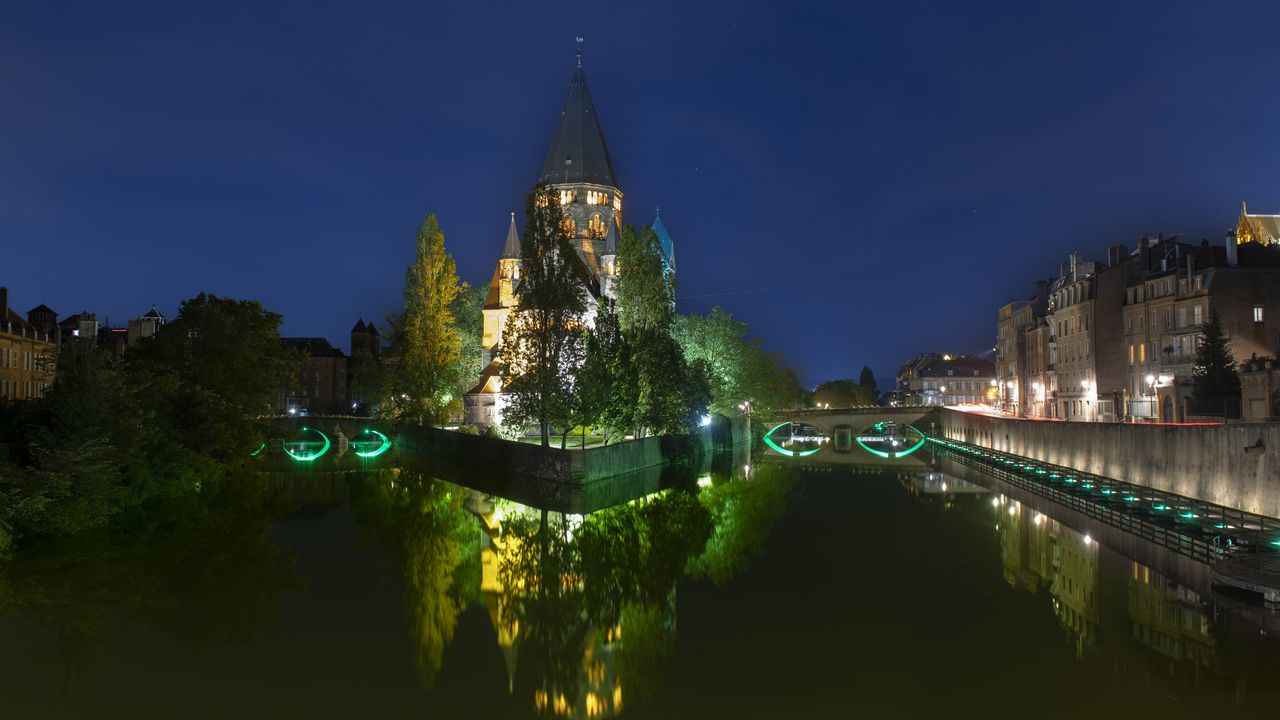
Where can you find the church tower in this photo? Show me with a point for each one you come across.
(502, 292)
(579, 168)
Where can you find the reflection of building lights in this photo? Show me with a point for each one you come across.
(944, 487)
(1013, 509)
(1039, 518)
(995, 502)
(704, 480)
(705, 420)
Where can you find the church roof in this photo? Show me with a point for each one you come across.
(512, 248)
(359, 326)
(153, 314)
(664, 237)
(1264, 229)
(578, 152)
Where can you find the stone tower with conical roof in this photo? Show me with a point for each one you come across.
(579, 168)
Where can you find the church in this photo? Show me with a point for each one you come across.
(578, 167)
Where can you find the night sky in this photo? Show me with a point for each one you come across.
(859, 184)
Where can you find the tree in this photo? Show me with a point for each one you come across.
(468, 316)
(543, 338)
(867, 379)
(843, 393)
(430, 344)
(1215, 381)
(737, 370)
(646, 292)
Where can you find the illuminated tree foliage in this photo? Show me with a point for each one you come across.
(468, 315)
(429, 345)
(736, 369)
(543, 340)
(646, 292)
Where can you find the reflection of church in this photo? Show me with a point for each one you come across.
(579, 169)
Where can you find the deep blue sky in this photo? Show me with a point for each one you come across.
(857, 183)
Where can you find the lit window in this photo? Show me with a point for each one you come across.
(1257, 313)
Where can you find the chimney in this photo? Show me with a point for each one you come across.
(1191, 266)
(1233, 258)
(4, 307)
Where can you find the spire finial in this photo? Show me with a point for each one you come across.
(578, 38)
(657, 212)
(513, 216)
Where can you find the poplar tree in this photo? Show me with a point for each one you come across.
(430, 346)
(646, 292)
(543, 341)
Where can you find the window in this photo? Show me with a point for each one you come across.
(1142, 353)
(1257, 313)
(1199, 314)
(1130, 355)
(1182, 317)
(1153, 321)
(1128, 324)
(1168, 318)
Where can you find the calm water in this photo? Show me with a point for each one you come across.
(775, 589)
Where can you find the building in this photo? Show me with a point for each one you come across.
(27, 355)
(145, 326)
(1168, 305)
(946, 379)
(1071, 320)
(1257, 229)
(321, 385)
(579, 168)
(1016, 318)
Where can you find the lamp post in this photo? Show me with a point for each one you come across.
(1151, 392)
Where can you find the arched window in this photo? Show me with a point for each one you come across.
(570, 227)
(595, 227)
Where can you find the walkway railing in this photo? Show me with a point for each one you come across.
(1198, 529)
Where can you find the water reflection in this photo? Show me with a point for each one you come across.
(581, 605)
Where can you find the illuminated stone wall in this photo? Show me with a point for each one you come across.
(1221, 464)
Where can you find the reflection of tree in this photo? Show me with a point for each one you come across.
(743, 513)
(423, 519)
(202, 568)
(570, 584)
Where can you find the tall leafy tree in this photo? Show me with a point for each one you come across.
(1215, 381)
(543, 340)
(430, 345)
(646, 292)
(468, 315)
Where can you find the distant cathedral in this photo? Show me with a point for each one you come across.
(579, 168)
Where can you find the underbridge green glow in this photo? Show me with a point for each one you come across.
(889, 455)
(768, 440)
(384, 445)
(258, 452)
(308, 457)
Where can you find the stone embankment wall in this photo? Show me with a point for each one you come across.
(1237, 465)
(575, 467)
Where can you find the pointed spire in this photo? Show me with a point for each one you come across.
(359, 326)
(668, 248)
(512, 248)
(611, 238)
(578, 152)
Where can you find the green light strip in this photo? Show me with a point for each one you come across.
(385, 446)
(783, 451)
(261, 447)
(304, 457)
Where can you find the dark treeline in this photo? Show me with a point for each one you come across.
(112, 434)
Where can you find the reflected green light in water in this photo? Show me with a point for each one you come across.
(308, 457)
(261, 447)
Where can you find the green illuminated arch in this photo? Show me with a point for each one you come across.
(768, 440)
(258, 452)
(889, 455)
(308, 457)
(384, 444)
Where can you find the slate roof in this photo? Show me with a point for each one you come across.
(668, 249)
(512, 248)
(153, 314)
(611, 238)
(578, 153)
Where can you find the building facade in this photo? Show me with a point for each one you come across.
(946, 379)
(27, 355)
